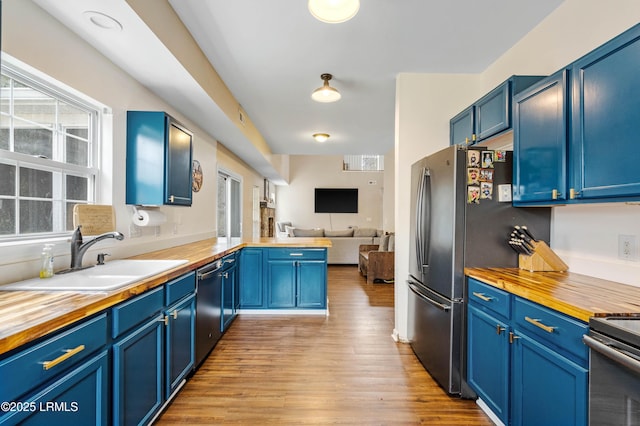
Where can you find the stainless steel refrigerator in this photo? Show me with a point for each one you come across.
(453, 227)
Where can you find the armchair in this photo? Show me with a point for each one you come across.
(376, 261)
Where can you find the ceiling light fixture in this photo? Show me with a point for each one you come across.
(334, 11)
(325, 93)
(103, 21)
(321, 137)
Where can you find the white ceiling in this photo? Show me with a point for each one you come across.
(270, 54)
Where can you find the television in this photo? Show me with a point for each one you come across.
(336, 200)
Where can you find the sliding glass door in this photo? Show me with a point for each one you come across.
(229, 205)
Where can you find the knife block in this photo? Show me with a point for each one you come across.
(542, 259)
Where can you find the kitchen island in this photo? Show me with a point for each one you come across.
(30, 315)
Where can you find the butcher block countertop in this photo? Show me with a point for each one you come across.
(28, 315)
(576, 295)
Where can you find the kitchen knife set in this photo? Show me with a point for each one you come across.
(522, 240)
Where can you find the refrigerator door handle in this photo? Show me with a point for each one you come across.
(429, 300)
(423, 186)
(427, 207)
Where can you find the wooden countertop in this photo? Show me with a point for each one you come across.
(576, 295)
(29, 315)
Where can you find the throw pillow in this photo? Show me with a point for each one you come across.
(384, 243)
(298, 232)
(365, 232)
(340, 233)
(283, 225)
(392, 242)
(289, 230)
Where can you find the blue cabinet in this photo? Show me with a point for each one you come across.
(61, 380)
(159, 151)
(228, 297)
(577, 149)
(180, 342)
(605, 117)
(540, 141)
(251, 278)
(489, 115)
(523, 356)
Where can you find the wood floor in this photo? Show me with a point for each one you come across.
(305, 370)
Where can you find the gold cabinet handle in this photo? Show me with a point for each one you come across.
(466, 141)
(482, 297)
(47, 365)
(175, 314)
(499, 329)
(171, 198)
(554, 194)
(538, 324)
(513, 337)
(164, 319)
(473, 137)
(573, 194)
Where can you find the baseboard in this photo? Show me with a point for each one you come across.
(324, 312)
(485, 408)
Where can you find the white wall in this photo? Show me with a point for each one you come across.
(584, 236)
(295, 202)
(35, 38)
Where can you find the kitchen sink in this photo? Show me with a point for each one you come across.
(110, 276)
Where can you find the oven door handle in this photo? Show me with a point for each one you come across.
(612, 353)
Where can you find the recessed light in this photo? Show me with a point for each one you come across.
(334, 11)
(103, 21)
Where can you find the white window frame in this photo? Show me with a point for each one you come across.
(230, 177)
(33, 78)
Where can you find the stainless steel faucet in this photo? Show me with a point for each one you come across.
(78, 248)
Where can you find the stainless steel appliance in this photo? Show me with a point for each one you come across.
(447, 234)
(208, 308)
(614, 371)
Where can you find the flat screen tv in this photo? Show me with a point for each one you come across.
(336, 200)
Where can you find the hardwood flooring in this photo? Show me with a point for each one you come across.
(315, 370)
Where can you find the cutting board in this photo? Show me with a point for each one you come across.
(94, 219)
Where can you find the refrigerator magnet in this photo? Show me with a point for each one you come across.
(473, 158)
(473, 176)
(486, 175)
(487, 159)
(500, 156)
(486, 190)
(473, 194)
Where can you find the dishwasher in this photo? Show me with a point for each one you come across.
(208, 308)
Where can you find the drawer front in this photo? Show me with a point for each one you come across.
(229, 261)
(490, 298)
(552, 327)
(298, 254)
(31, 367)
(180, 287)
(133, 312)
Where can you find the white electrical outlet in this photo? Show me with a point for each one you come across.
(134, 231)
(627, 249)
(504, 193)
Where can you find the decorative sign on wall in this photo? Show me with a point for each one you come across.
(197, 176)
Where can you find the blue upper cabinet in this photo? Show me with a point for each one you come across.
(490, 115)
(158, 160)
(540, 141)
(605, 118)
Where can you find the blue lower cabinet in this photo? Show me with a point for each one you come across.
(296, 284)
(312, 284)
(137, 378)
(251, 278)
(488, 363)
(180, 342)
(281, 284)
(547, 388)
(80, 397)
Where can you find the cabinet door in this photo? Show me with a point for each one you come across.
(540, 141)
(605, 117)
(228, 310)
(178, 170)
(251, 279)
(137, 374)
(312, 284)
(79, 397)
(462, 127)
(180, 342)
(281, 283)
(547, 388)
(488, 360)
(493, 112)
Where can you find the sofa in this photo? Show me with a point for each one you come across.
(345, 243)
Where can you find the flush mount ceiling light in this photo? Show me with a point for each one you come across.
(334, 11)
(102, 20)
(325, 93)
(321, 137)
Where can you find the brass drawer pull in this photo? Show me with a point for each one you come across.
(538, 324)
(499, 329)
(47, 365)
(482, 297)
(175, 314)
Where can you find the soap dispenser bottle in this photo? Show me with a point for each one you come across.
(46, 266)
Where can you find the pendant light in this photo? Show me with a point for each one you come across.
(325, 93)
(334, 11)
(321, 137)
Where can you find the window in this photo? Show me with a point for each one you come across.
(48, 155)
(229, 206)
(363, 163)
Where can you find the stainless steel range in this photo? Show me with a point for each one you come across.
(614, 372)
